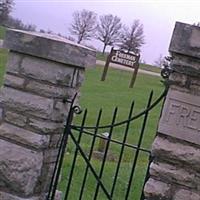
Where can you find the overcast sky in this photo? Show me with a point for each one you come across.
(158, 17)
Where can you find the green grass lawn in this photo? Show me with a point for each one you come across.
(101, 56)
(3, 56)
(2, 32)
(96, 94)
(107, 179)
(3, 59)
(150, 68)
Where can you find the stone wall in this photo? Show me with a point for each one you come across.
(175, 172)
(41, 71)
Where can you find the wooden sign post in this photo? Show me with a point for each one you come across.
(122, 58)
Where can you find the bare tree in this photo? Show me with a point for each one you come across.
(83, 25)
(5, 9)
(133, 37)
(108, 30)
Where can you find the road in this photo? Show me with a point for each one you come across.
(99, 62)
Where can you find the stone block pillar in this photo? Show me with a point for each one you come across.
(41, 71)
(175, 171)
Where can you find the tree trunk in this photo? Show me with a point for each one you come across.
(80, 38)
(104, 48)
(79, 41)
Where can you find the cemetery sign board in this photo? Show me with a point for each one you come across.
(122, 58)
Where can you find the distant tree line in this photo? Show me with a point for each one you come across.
(5, 9)
(8, 21)
(108, 29)
(87, 25)
(18, 24)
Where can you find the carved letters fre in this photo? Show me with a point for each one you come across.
(181, 116)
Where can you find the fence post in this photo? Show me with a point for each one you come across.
(174, 172)
(42, 69)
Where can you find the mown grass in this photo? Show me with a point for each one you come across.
(101, 56)
(150, 68)
(2, 32)
(3, 59)
(3, 56)
(96, 94)
(107, 179)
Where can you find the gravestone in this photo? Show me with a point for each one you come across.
(41, 71)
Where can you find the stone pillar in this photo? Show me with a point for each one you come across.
(175, 171)
(41, 71)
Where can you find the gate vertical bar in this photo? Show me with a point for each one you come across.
(61, 152)
(90, 154)
(139, 144)
(106, 151)
(75, 156)
(122, 149)
(90, 166)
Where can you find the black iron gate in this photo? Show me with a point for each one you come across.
(106, 165)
